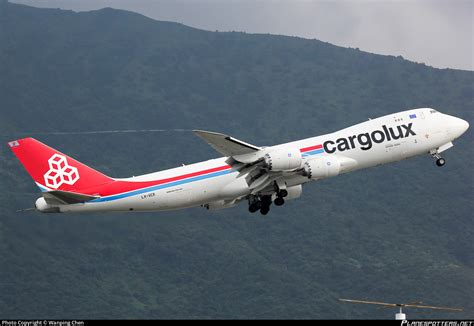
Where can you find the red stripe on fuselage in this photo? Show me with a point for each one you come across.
(311, 148)
(119, 186)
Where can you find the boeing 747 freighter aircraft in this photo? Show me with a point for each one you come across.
(259, 175)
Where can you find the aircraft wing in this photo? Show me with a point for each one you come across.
(60, 197)
(226, 145)
(245, 158)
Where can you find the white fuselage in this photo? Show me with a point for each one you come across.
(364, 145)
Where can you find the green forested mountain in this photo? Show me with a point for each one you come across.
(396, 233)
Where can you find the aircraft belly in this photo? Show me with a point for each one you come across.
(193, 194)
(183, 196)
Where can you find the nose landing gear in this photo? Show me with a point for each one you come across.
(439, 160)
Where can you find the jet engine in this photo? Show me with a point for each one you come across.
(322, 167)
(283, 159)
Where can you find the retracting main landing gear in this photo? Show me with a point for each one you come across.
(439, 160)
(254, 204)
(261, 203)
(281, 192)
(266, 202)
(279, 201)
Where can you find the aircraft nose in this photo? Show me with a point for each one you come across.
(465, 125)
(459, 126)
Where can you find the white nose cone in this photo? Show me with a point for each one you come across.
(457, 126)
(464, 126)
(461, 126)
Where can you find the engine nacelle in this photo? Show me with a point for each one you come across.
(322, 167)
(283, 159)
(294, 192)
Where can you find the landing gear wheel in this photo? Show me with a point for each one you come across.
(264, 210)
(283, 193)
(266, 200)
(279, 201)
(439, 160)
(253, 208)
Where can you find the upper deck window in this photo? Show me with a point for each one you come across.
(433, 111)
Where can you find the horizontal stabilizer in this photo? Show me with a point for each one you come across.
(226, 145)
(59, 197)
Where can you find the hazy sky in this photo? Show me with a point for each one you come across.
(439, 33)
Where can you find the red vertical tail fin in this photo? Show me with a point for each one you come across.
(53, 170)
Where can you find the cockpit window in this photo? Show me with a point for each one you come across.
(433, 111)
